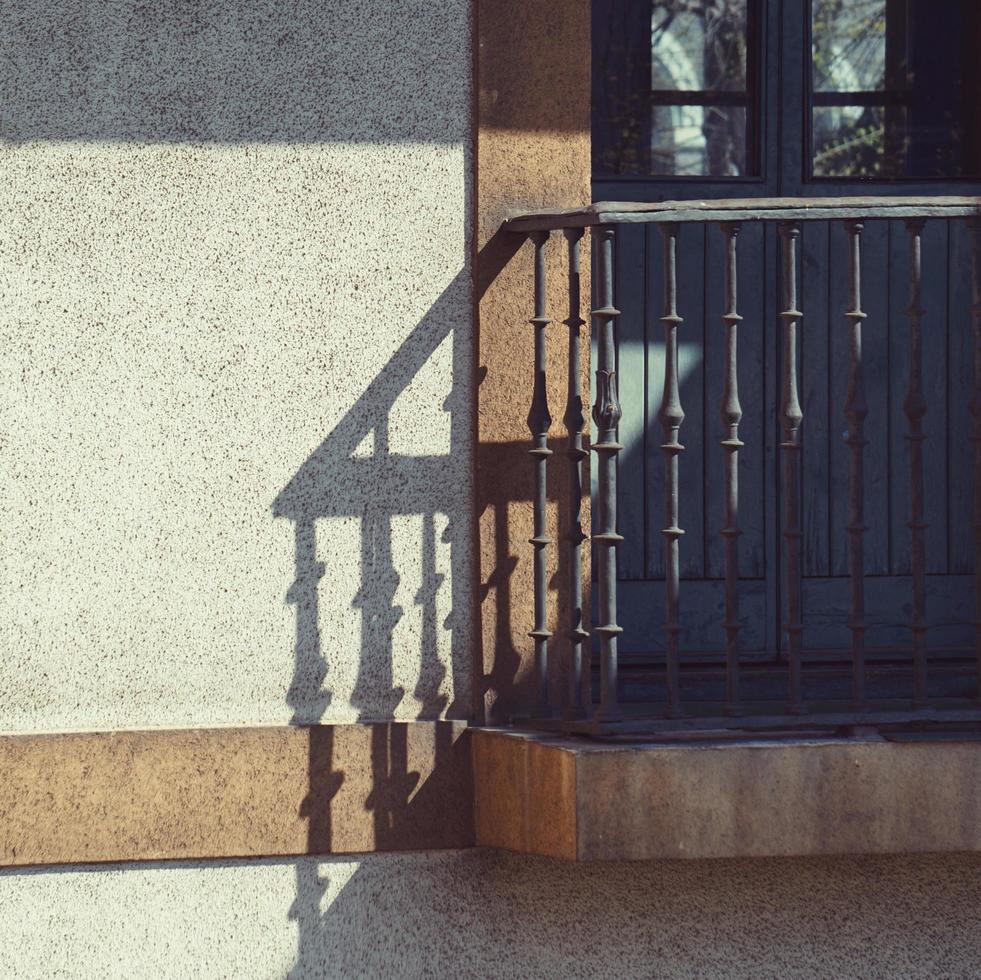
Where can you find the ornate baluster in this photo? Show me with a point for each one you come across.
(606, 414)
(539, 422)
(791, 418)
(855, 412)
(574, 422)
(732, 414)
(671, 416)
(915, 408)
(975, 226)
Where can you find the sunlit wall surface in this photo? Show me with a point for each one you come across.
(234, 420)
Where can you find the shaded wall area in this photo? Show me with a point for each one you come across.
(485, 914)
(533, 130)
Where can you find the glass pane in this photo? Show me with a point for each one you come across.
(698, 46)
(849, 45)
(698, 140)
(670, 93)
(894, 86)
(850, 141)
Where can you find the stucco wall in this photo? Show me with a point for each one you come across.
(235, 311)
(482, 914)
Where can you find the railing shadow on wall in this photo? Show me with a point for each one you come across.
(338, 482)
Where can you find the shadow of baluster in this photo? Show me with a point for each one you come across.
(309, 701)
(432, 670)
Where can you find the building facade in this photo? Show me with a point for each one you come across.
(265, 510)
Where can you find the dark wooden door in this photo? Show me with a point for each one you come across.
(758, 98)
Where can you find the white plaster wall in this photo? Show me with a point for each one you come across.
(488, 915)
(235, 315)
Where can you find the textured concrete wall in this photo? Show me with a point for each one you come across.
(235, 311)
(481, 914)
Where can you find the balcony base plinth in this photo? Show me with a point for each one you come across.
(569, 797)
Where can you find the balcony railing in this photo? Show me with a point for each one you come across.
(750, 701)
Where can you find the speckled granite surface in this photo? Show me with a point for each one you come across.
(488, 915)
(235, 394)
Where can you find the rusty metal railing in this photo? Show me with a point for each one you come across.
(740, 709)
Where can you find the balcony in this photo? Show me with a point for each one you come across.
(923, 681)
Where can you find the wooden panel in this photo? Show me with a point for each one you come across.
(949, 600)
(702, 608)
(935, 291)
(824, 376)
(630, 299)
(818, 411)
(654, 368)
(935, 270)
(959, 345)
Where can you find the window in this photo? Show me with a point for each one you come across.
(894, 89)
(676, 81)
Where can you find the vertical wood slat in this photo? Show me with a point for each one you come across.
(816, 256)
(974, 225)
(732, 413)
(630, 297)
(574, 423)
(915, 408)
(606, 414)
(539, 422)
(791, 418)
(671, 416)
(856, 410)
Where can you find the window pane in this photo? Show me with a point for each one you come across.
(849, 141)
(698, 46)
(670, 94)
(894, 88)
(849, 45)
(698, 140)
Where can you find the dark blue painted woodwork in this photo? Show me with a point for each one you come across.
(823, 291)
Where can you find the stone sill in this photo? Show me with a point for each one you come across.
(573, 799)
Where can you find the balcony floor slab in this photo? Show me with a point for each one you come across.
(587, 800)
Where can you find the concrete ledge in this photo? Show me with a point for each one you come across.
(584, 801)
(234, 792)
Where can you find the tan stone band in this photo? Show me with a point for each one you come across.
(234, 792)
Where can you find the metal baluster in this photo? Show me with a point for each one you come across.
(975, 225)
(915, 408)
(732, 414)
(539, 422)
(606, 414)
(856, 411)
(791, 418)
(671, 416)
(574, 422)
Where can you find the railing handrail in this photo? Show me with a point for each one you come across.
(744, 209)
